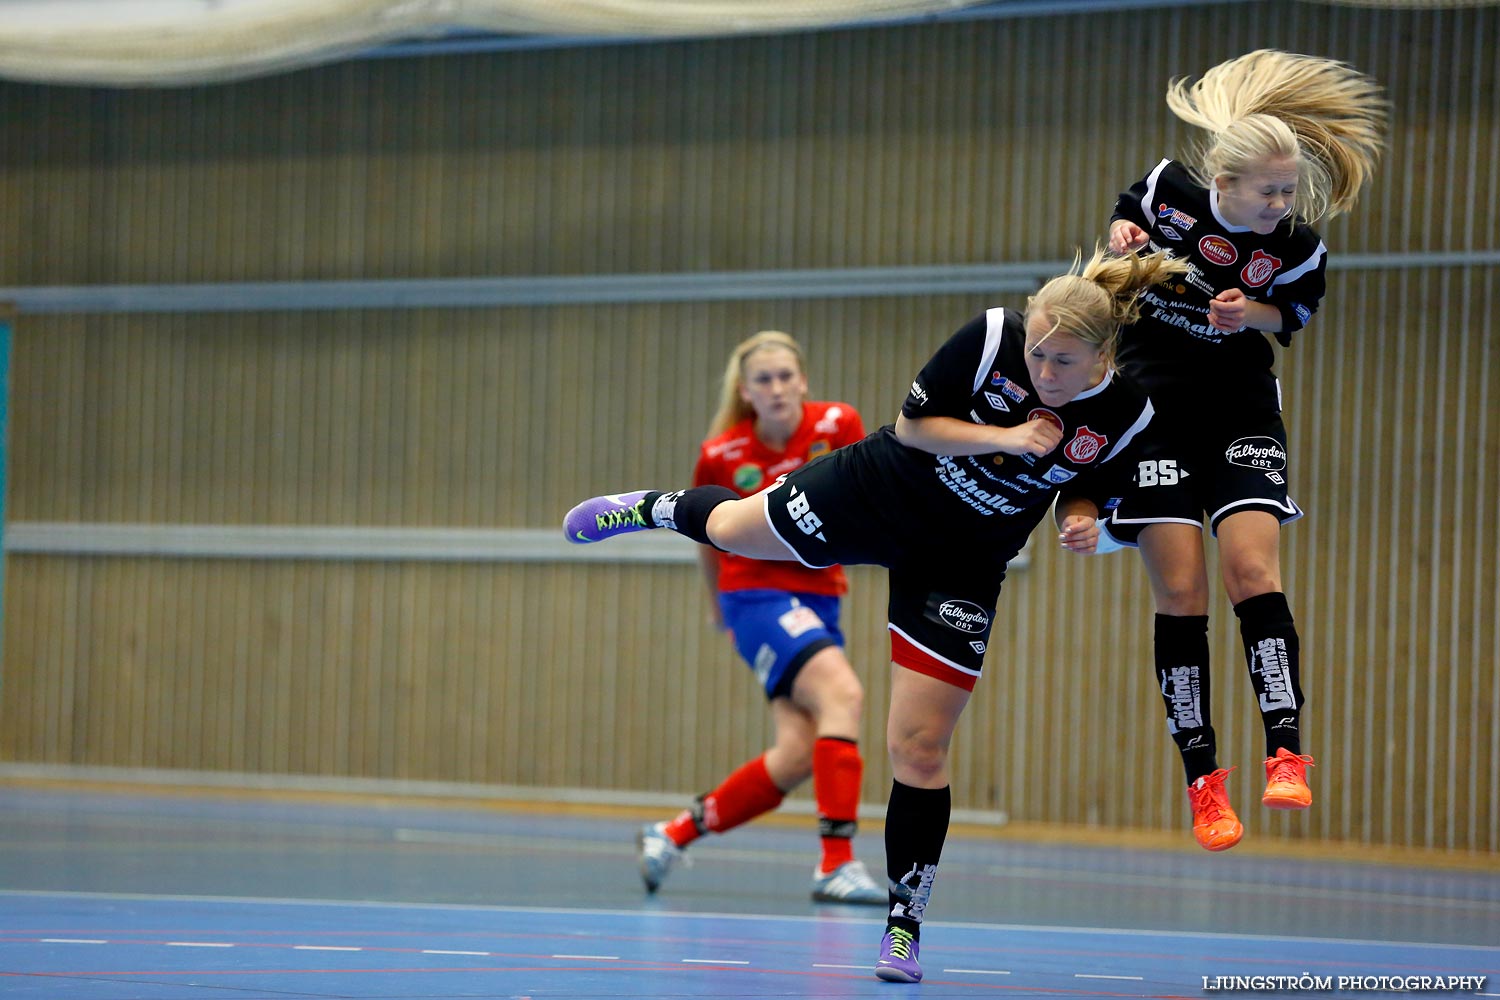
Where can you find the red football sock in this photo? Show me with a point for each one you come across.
(744, 795)
(684, 829)
(837, 771)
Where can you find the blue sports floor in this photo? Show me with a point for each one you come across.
(113, 896)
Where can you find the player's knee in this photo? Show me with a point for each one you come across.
(727, 525)
(917, 757)
(830, 687)
(796, 761)
(1249, 579)
(1181, 593)
(846, 696)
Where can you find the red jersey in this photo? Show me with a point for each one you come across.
(744, 463)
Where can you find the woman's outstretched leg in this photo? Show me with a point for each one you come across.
(710, 515)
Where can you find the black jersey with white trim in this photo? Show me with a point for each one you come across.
(980, 375)
(1173, 345)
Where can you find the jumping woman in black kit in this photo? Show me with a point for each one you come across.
(1290, 138)
(1010, 412)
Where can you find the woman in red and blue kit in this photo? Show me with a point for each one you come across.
(784, 618)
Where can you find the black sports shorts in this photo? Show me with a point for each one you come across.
(945, 564)
(1196, 464)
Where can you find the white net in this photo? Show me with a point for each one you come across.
(174, 42)
(171, 42)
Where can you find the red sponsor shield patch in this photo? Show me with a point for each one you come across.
(1085, 446)
(1260, 269)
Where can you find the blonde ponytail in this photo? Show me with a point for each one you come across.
(1093, 300)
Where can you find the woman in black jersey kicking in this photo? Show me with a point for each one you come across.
(1010, 412)
(1289, 139)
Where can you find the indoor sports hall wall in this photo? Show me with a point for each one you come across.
(945, 144)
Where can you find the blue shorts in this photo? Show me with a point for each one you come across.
(777, 632)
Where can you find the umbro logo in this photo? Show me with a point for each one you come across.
(996, 401)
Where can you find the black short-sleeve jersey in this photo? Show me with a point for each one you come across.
(980, 375)
(1173, 346)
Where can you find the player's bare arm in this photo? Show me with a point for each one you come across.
(950, 436)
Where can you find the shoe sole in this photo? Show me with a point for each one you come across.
(891, 975)
(1280, 802)
(1221, 845)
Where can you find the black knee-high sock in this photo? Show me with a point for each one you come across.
(1182, 677)
(686, 511)
(916, 824)
(1273, 655)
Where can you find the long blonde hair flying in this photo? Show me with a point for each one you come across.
(1324, 114)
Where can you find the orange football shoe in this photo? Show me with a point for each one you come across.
(1215, 825)
(1286, 781)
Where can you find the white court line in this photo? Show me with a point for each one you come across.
(826, 965)
(442, 951)
(323, 947)
(198, 944)
(592, 958)
(73, 941)
(1085, 975)
(982, 972)
(716, 961)
(250, 902)
(774, 918)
